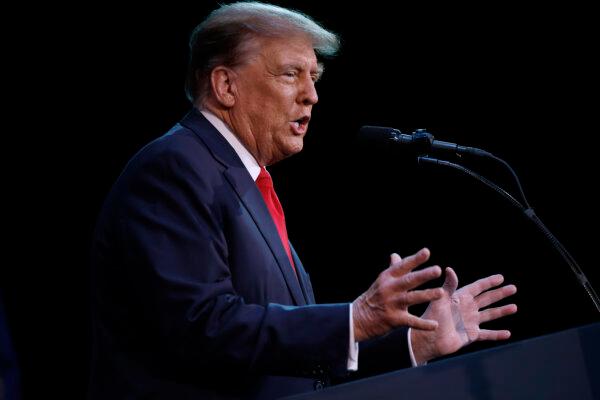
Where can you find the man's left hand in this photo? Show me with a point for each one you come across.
(459, 313)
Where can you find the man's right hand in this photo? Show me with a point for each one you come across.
(384, 306)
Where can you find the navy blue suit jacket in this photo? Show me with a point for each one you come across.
(193, 294)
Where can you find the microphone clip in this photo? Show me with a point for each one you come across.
(422, 141)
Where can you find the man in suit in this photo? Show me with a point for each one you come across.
(197, 293)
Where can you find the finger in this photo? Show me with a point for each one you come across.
(395, 259)
(492, 296)
(497, 312)
(409, 263)
(417, 278)
(451, 281)
(420, 323)
(408, 299)
(485, 334)
(480, 286)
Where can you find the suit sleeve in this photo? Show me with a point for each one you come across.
(167, 277)
(380, 355)
(384, 354)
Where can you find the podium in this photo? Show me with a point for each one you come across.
(563, 365)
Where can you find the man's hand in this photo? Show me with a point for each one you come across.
(385, 305)
(459, 313)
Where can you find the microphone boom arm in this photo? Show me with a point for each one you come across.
(530, 214)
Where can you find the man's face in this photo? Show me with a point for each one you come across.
(274, 95)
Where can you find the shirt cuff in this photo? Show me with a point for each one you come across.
(413, 361)
(352, 363)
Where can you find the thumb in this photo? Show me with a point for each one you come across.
(395, 259)
(451, 281)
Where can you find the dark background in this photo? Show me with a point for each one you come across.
(101, 82)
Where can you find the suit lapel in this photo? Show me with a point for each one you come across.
(241, 181)
(303, 278)
(254, 203)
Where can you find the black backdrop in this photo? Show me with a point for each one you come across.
(518, 83)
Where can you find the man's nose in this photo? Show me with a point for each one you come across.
(308, 96)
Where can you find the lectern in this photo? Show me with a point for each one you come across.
(563, 365)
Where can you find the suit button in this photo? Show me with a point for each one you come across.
(319, 385)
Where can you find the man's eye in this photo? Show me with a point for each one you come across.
(291, 74)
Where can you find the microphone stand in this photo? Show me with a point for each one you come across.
(529, 213)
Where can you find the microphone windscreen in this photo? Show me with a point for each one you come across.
(376, 134)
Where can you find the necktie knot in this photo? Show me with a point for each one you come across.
(264, 179)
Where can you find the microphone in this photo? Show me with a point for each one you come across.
(420, 140)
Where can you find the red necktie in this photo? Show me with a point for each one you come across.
(265, 185)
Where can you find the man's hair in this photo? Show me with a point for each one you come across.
(223, 38)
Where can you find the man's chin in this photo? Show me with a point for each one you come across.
(294, 147)
(289, 150)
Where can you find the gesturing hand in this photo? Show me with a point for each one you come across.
(459, 313)
(384, 305)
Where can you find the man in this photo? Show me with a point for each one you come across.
(197, 291)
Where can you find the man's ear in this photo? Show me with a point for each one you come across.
(222, 81)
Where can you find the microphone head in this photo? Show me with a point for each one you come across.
(377, 134)
(419, 142)
(389, 141)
